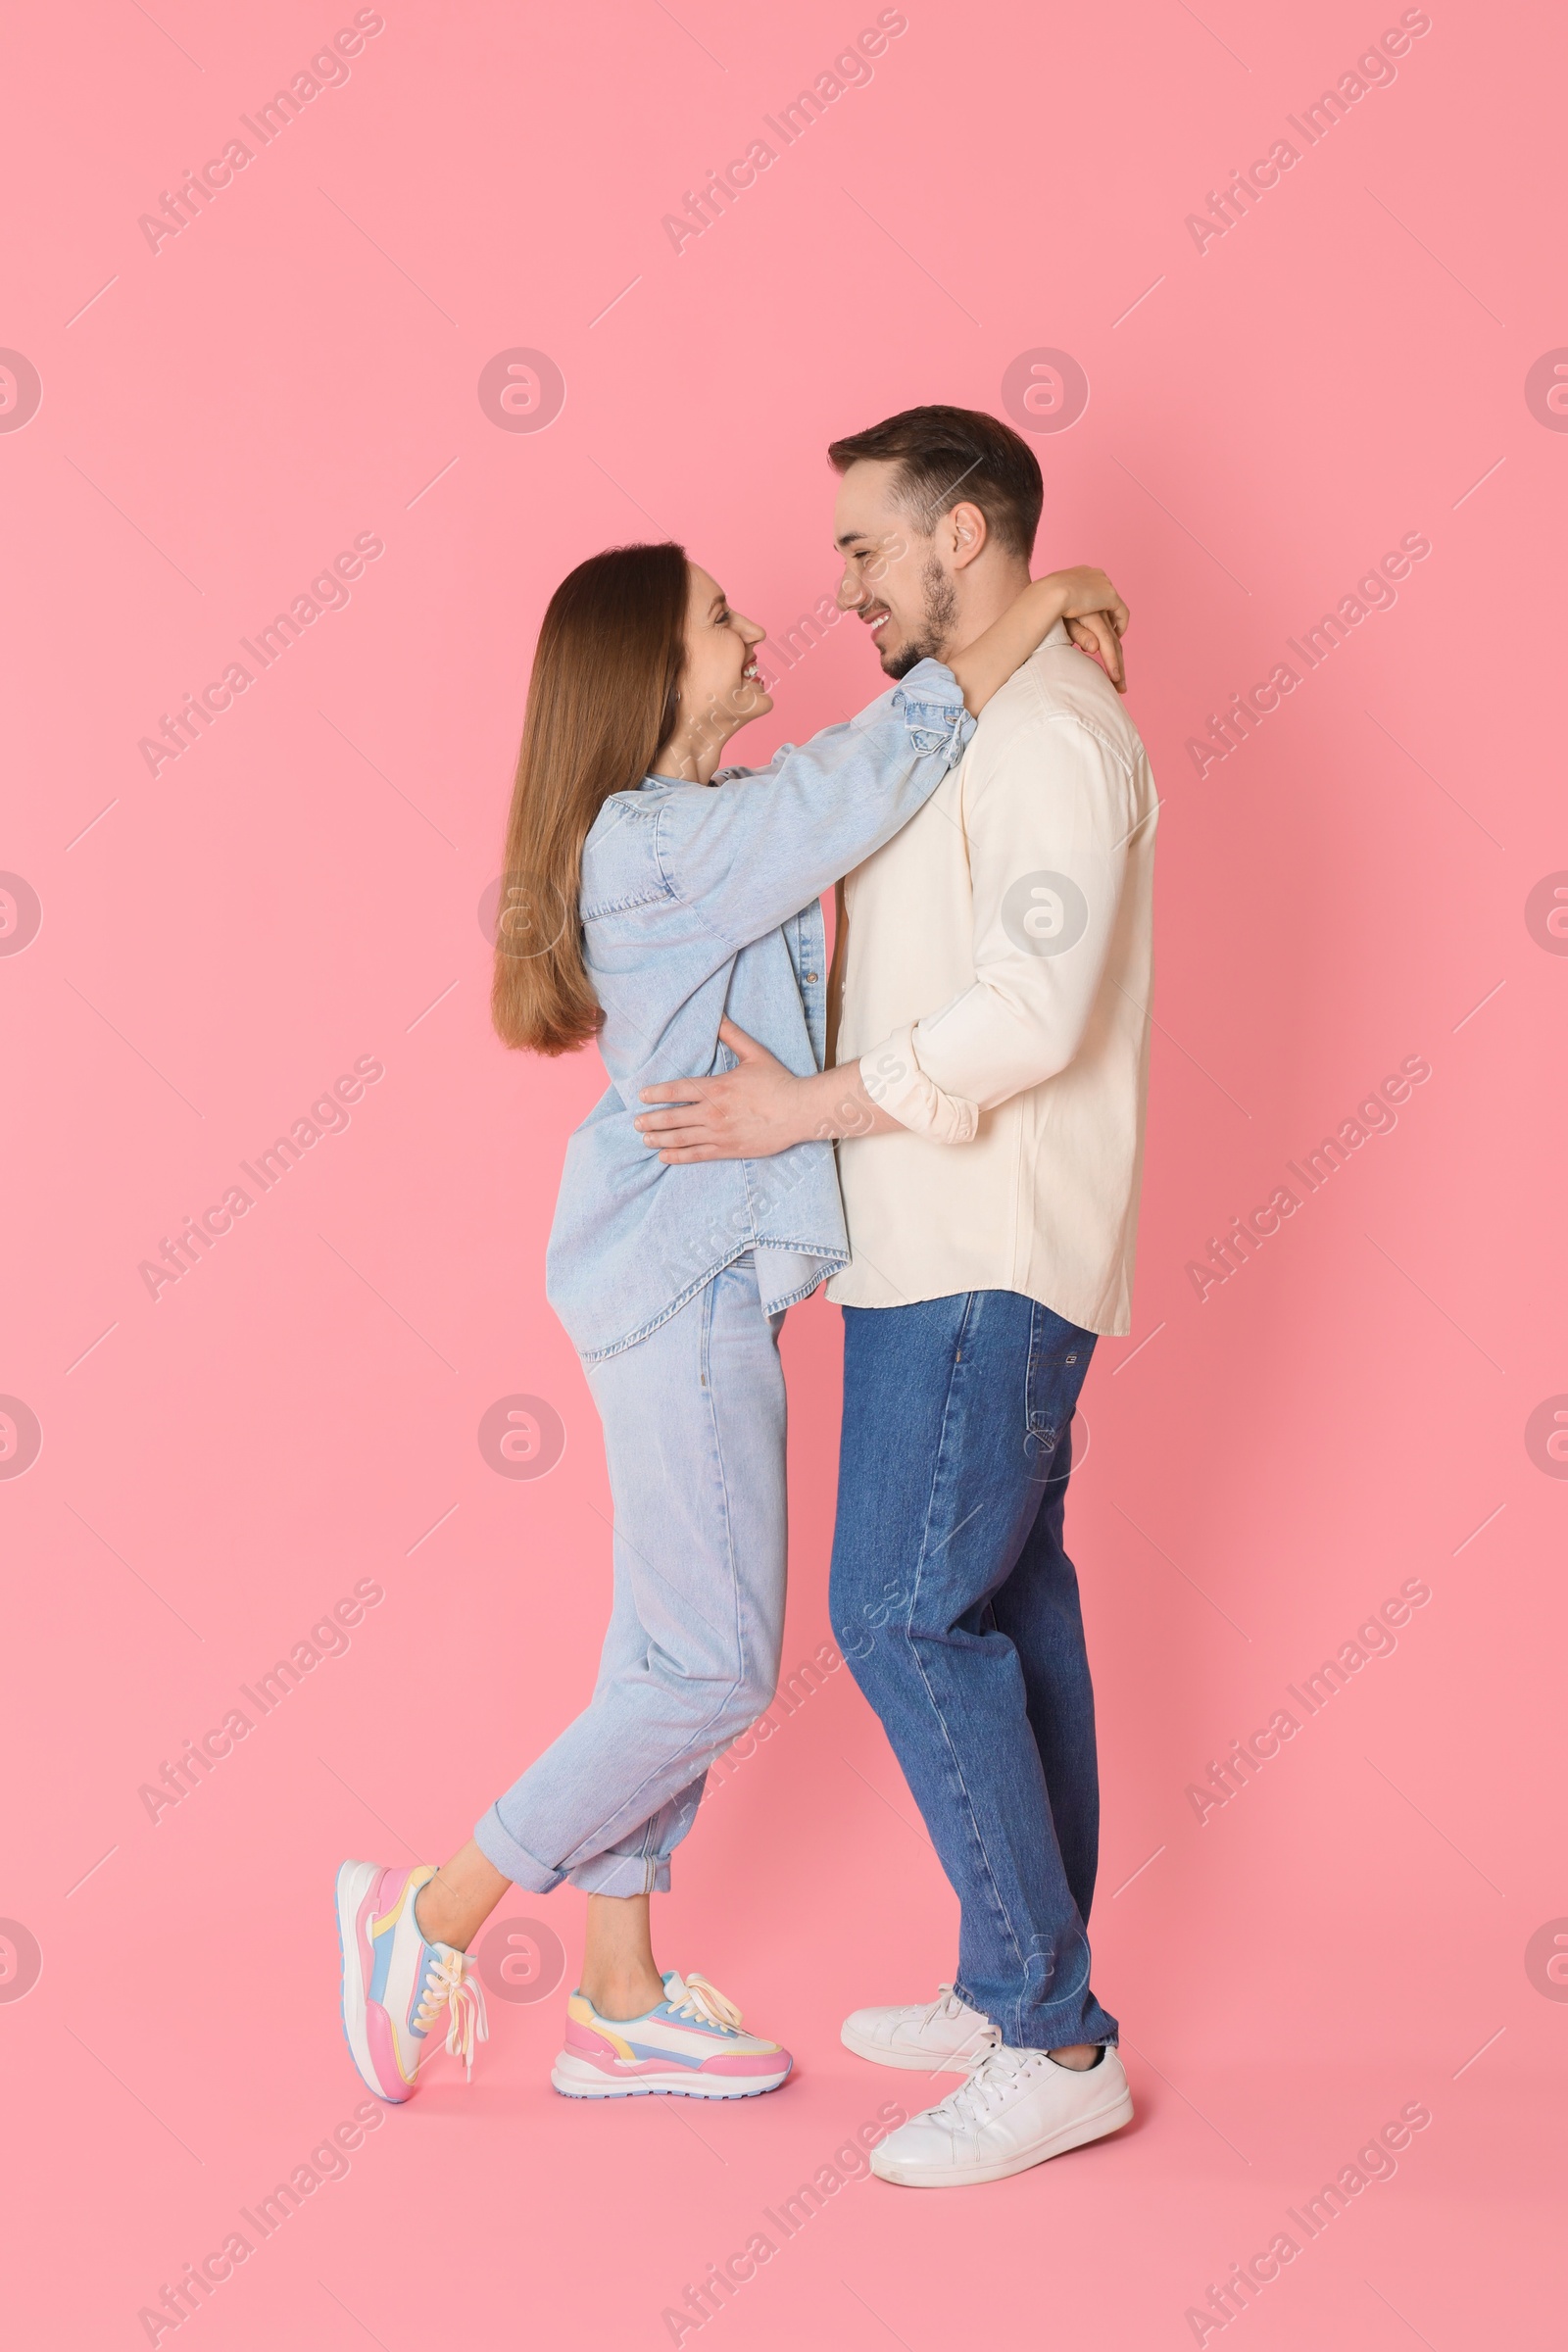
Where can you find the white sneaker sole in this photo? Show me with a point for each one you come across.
(1071, 2135)
(354, 1883)
(925, 2062)
(576, 2079)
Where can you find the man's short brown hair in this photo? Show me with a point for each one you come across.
(948, 454)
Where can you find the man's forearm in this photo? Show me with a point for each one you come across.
(835, 1104)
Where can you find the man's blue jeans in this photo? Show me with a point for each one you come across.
(956, 1607)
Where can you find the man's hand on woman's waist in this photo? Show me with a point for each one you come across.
(758, 1109)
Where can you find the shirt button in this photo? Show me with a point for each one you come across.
(811, 975)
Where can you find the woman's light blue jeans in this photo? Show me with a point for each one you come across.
(694, 1435)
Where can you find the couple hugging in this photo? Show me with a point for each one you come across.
(947, 1128)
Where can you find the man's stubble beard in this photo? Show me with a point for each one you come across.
(941, 603)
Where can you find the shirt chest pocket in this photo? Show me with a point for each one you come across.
(622, 868)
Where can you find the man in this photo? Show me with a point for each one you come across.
(993, 1052)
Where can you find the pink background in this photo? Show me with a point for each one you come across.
(301, 887)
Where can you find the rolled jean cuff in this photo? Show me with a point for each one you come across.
(511, 1859)
(622, 1874)
(1060, 2027)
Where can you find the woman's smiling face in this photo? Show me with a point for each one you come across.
(720, 689)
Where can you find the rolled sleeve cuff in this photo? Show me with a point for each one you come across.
(930, 701)
(892, 1076)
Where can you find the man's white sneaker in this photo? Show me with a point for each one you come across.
(1018, 2108)
(940, 2036)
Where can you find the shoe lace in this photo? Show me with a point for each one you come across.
(705, 2001)
(948, 2004)
(996, 2075)
(450, 1979)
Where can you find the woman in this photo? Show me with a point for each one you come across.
(643, 908)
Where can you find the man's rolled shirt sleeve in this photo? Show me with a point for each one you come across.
(893, 1079)
(1049, 813)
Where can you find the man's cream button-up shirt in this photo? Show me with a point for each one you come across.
(997, 984)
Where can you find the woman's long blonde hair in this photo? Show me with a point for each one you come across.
(601, 701)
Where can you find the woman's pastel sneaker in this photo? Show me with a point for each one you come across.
(1018, 2108)
(395, 1985)
(940, 2038)
(691, 2045)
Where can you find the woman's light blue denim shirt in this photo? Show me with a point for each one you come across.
(700, 901)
